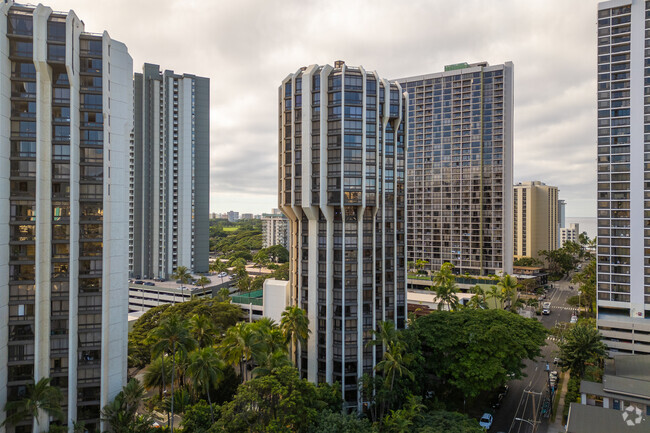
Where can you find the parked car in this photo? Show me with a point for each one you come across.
(541, 297)
(546, 308)
(556, 360)
(222, 274)
(138, 282)
(486, 421)
(149, 283)
(574, 319)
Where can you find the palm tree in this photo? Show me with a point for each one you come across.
(236, 346)
(267, 338)
(203, 281)
(477, 301)
(41, 398)
(582, 344)
(446, 295)
(181, 273)
(295, 327)
(269, 361)
(508, 285)
(386, 334)
(420, 264)
(172, 336)
(244, 283)
(445, 274)
(153, 376)
(497, 294)
(394, 363)
(206, 370)
(224, 294)
(202, 330)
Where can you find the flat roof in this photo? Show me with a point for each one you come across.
(595, 388)
(594, 419)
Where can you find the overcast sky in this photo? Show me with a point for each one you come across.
(247, 47)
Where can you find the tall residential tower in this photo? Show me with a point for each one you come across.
(342, 148)
(460, 168)
(65, 118)
(624, 175)
(170, 174)
(536, 218)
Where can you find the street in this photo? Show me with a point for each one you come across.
(520, 408)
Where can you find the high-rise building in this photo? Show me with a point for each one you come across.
(569, 234)
(275, 229)
(460, 168)
(561, 219)
(624, 175)
(65, 117)
(233, 216)
(342, 146)
(170, 173)
(535, 222)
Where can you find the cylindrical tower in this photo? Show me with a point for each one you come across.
(342, 183)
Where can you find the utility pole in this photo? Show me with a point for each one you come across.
(534, 422)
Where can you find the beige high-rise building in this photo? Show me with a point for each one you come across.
(536, 218)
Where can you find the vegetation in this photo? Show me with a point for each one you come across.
(223, 315)
(40, 397)
(235, 243)
(581, 346)
(586, 279)
(528, 261)
(121, 414)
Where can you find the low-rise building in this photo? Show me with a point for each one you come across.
(146, 294)
(569, 234)
(621, 402)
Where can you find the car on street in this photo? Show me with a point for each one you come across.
(546, 308)
(574, 319)
(556, 360)
(486, 421)
(222, 274)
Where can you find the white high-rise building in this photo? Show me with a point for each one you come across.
(275, 229)
(624, 175)
(66, 113)
(569, 234)
(342, 185)
(460, 156)
(170, 173)
(561, 220)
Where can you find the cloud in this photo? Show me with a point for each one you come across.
(247, 47)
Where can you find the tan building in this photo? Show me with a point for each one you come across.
(536, 218)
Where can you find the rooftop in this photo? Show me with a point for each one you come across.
(593, 419)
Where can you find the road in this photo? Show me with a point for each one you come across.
(525, 396)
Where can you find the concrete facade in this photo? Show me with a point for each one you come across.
(170, 174)
(623, 175)
(460, 164)
(275, 230)
(569, 234)
(67, 114)
(342, 151)
(536, 219)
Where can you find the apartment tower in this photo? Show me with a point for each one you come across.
(624, 175)
(275, 229)
(169, 173)
(536, 218)
(342, 148)
(65, 119)
(460, 168)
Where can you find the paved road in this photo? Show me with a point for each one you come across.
(525, 395)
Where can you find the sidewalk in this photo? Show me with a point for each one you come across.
(557, 426)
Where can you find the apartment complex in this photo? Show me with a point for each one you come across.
(624, 175)
(561, 219)
(536, 218)
(169, 173)
(342, 148)
(569, 234)
(460, 168)
(65, 117)
(275, 229)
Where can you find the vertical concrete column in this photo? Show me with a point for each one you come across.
(5, 153)
(43, 203)
(74, 27)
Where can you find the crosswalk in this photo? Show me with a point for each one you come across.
(552, 338)
(562, 308)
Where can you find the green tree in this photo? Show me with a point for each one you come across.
(278, 402)
(237, 346)
(587, 280)
(441, 421)
(278, 253)
(295, 327)
(496, 294)
(461, 352)
(181, 274)
(444, 285)
(582, 344)
(40, 399)
(282, 273)
(121, 413)
(172, 336)
(261, 259)
(395, 362)
(508, 285)
(420, 264)
(153, 375)
(528, 262)
(219, 267)
(244, 283)
(337, 422)
(199, 418)
(203, 281)
(444, 274)
(223, 295)
(206, 370)
(477, 301)
(202, 330)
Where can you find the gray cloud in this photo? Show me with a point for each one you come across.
(247, 47)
